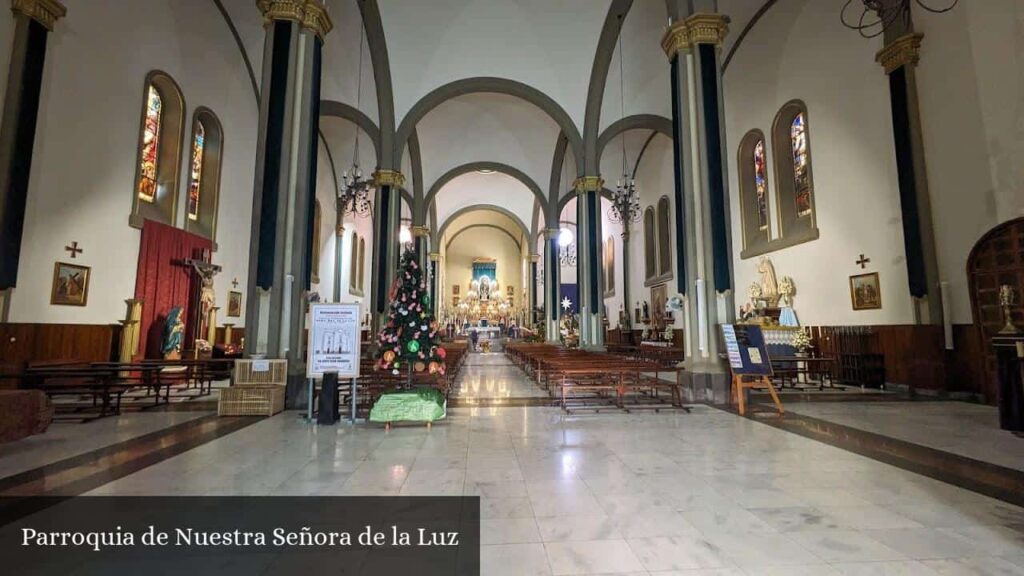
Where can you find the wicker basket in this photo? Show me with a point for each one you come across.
(251, 401)
(255, 392)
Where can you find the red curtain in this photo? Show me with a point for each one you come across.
(161, 283)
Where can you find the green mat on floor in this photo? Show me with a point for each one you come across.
(415, 405)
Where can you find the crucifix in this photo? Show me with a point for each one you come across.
(863, 262)
(234, 283)
(74, 249)
(205, 270)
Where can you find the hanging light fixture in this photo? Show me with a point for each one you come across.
(354, 196)
(625, 200)
(885, 14)
(567, 248)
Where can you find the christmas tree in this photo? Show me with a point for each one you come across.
(410, 340)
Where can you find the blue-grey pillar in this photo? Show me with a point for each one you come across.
(588, 242)
(533, 283)
(703, 250)
(387, 212)
(33, 21)
(285, 185)
(552, 272)
(899, 58)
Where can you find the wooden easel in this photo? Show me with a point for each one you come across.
(739, 388)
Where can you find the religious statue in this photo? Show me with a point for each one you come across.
(207, 297)
(647, 312)
(1007, 299)
(769, 286)
(174, 332)
(786, 292)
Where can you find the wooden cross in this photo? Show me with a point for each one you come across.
(234, 283)
(74, 249)
(863, 261)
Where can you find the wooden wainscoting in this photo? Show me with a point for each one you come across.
(23, 342)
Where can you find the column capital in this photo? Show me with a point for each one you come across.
(388, 178)
(534, 257)
(697, 29)
(903, 51)
(339, 230)
(419, 231)
(588, 184)
(550, 233)
(435, 256)
(309, 14)
(46, 12)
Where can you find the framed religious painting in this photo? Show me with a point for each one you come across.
(510, 291)
(70, 284)
(865, 292)
(234, 304)
(455, 290)
(659, 296)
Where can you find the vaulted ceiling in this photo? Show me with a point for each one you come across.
(522, 87)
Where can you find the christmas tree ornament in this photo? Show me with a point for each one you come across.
(413, 346)
(419, 367)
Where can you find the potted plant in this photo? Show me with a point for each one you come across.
(802, 342)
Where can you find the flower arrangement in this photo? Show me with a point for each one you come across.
(754, 291)
(667, 334)
(802, 340)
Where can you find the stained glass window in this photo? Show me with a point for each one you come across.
(150, 145)
(196, 175)
(801, 177)
(761, 185)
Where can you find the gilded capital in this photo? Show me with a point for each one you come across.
(309, 14)
(588, 184)
(534, 257)
(435, 256)
(388, 178)
(903, 51)
(708, 28)
(550, 233)
(697, 29)
(46, 12)
(419, 231)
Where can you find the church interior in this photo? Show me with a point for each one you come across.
(677, 287)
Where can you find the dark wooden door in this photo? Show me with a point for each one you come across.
(997, 259)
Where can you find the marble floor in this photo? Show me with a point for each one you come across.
(64, 440)
(701, 493)
(491, 376)
(969, 430)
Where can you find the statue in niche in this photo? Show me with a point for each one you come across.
(769, 285)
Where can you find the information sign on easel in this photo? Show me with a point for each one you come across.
(749, 362)
(334, 341)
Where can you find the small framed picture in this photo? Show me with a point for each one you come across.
(70, 284)
(455, 300)
(510, 291)
(865, 292)
(455, 290)
(234, 304)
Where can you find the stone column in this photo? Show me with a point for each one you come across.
(625, 283)
(588, 251)
(33, 22)
(899, 58)
(434, 287)
(532, 300)
(552, 272)
(285, 185)
(387, 212)
(421, 243)
(703, 236)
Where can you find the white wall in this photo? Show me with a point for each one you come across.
(800, 51)
(84, 164)
(970, 85)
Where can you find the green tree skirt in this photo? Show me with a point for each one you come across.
(416, 405)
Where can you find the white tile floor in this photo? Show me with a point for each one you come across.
(695, 494)
(493, 376)
(970, 430)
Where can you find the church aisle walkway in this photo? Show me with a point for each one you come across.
(701, 493)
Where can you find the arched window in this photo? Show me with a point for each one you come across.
(362, 264)
(353, 266)
(314, 265)
(206, 151)
(161, 126)
(664, 240)
(650, 248)
(609, 266)
(753, 179)
(794, 174)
